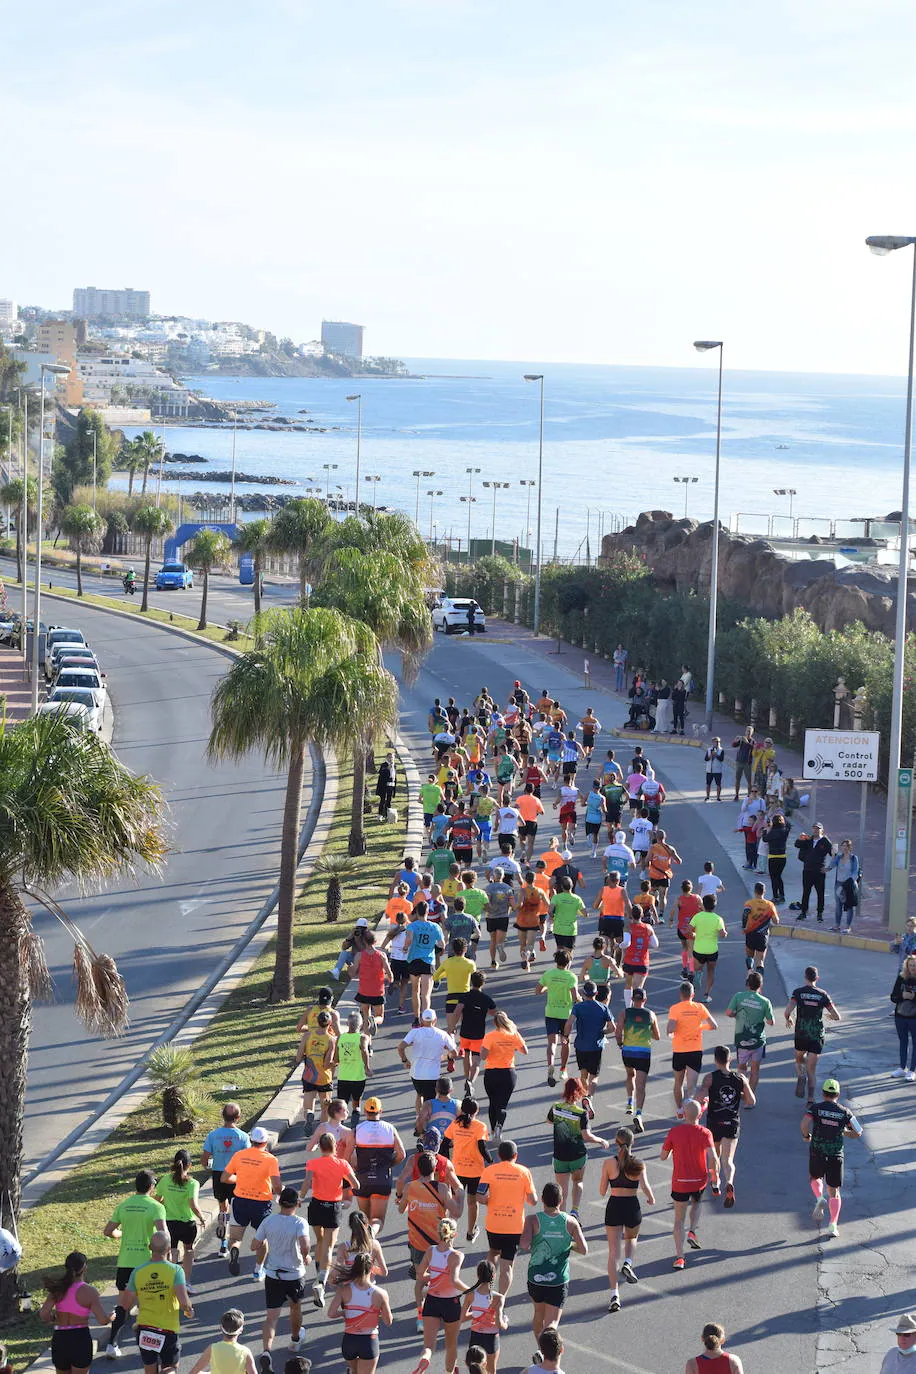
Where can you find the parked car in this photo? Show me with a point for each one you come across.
(77, 696)
(9, 623)
(89, 678)
(172, 576)
(62, 634)
(61, 648)
(66, 661)
(451, 613)
(78, 714)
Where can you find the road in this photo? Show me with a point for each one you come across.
(758, 1269)
(167, 931)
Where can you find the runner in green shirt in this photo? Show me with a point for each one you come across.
(440, 861)
(550, 1235)
(708, 928)
(352, 1060)
(561, 986)
(565, 911)
(430, 797)
(482, 811)
(752, 1013)
(135, 1219)
(178, 1191)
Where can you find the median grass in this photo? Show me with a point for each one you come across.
(250, 1045)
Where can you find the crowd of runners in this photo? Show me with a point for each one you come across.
(451, 1195)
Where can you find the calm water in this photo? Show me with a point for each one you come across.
(614, 439)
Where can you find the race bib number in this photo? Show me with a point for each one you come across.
(152, 1341)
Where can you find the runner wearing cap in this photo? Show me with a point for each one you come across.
(256, 1175)
(619, 857)
(316, 1054)
(324, 1001)
(825, 1125)
(377, 1149)
(281, 1247)
(329, 1179)
(723, 1091)
(428, 1045)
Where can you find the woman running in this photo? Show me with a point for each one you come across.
(440, 1267)
(530, 914)
(470, 1156)
(362, 1306)
(178, 1193)
(571, 1136)
(485, 1308)
(600, 966)
(498, 1050)
(363, 1241)
(714, 1359)
(622, 1176)
(71, 1301)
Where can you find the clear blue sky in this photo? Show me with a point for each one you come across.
(595, 182)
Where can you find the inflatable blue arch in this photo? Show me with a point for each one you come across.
(185, 532)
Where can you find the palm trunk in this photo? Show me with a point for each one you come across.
(15, 1025)
(145, 475)
(202, 623)
(79, 572)
(281, 986)
(257, 585)
(130, 481)
(356, 843)
(144, 604)
(18, 551)
(303, 584)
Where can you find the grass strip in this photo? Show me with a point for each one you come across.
(249, 1044)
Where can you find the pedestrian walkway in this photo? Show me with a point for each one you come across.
(15, 685)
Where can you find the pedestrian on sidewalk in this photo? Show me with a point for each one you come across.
(847, 872)
(679, 693)
(662, 707)
(763, 756)
(905, 945)
(903, 996)
(715, 762)
(814, 850)
(621, 657)
(900, 1359)
(775, 836)
(744, 753)
(386, 785)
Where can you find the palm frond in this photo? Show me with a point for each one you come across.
(35, 967)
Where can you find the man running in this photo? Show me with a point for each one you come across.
(752, 1013)
(428, 1046)
(723, 1091)
(590, 726)
(476, 1007)
(808, 1004)
(639, 940)
(529, 807)
(595, 815)
(499, 903)
(758, 915)
(219, 1147)
(425, 941)
(566, 910)
(158, 1288)
(689, 1144)
(550, 1235)
(281, 1247)
(589, 1020)
(561, 987)
(613, 906)
(134, 1222)
(660, 862)
(351, 1060)
(825, 1125)
(377, 1149)
(687, 1020)
(708, 928)
(637, 1027)
(686, 907)
(505, 1189)
(256, 1175)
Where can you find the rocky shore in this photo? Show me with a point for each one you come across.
(248, 478)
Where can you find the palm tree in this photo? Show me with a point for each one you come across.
(153, 523)
(150, 449)
(11, 495)
(207, 550)
(69, 810)
(314, 678)
(334, 867)
(254, 538)
(130, 460)
(83, 528)
(302, 527)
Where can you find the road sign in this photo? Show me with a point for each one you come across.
(841, 755)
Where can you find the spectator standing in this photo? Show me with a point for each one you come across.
(679, 706)
(764, 754)
(744, 753)
(662, 707)
(715, 762)
(903, 996)
(621, 657)
(386, 786)
(776, 837)
(814, 850)
(847, 872)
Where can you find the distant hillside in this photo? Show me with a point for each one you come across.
(270, 364)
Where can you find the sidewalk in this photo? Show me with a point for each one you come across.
(837, 804)
(14, 685)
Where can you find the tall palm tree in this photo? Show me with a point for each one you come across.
(131, 460)
(68, 811)
(11, 495)
(314, 678)
(302, 527)
(83, 528)
(153, 523)
(208, 549)
(254, 538)
(150, 449)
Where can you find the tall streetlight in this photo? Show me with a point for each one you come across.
(688, 482)
(528, 482)
(497, 486)
(56, 370)
(329, 468)
(235, 426)
(95, 465)
(420, 473)
(374, 478)
(539, 378)
(432, 496)
(359, 435)
(23, 516)
(786, 491)
(703, 346)
(472, 473)
(897, 823)
(469, 501)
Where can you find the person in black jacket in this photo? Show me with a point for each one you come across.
(679, 706)
(776, 837)
(386, 786)
(903, 996)
(814, 850)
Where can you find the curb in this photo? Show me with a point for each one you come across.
(413, 840)
(827, 937)
(640, 735)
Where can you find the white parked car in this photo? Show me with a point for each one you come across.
(83, 697)
(72, 652)
(89, 678)
(450, 615)
(79, 715)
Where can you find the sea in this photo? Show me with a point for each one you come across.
(615, 440)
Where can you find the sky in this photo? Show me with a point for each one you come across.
(599, 182)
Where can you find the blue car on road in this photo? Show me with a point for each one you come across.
(174, 575)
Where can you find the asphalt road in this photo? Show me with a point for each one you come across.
(170, 930)
(757, 1271)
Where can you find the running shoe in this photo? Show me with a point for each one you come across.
(692, 1241)
(899, 1073)
(729, 1195)
(638, 1127)
(614, 1304)
(450, 1065)
(258, 1273)
(574, 1213)
(679, 1263)
(112, 1351)
(820, 1209)
(473, 1234)
(551, 1080)
(295, 1343)
(234, 1265)
(424, 1364)
(223, 1248)
(833, 1231)
(265, 1364)
(629, 1273)
(629, 1106)
(714, 1188)
(910, 1076)
(493, 964)
(563, 1074)
(221, 1226)
(318, 1293)
(503, 956)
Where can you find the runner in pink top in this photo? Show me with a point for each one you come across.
(362, 1304)
(442, 1305)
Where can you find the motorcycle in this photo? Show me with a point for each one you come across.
(130, 585)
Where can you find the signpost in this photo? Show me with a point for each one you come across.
(852, 756)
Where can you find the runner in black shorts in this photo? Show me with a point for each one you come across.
(824, 1126)
(809, 1003)
(724, 1090)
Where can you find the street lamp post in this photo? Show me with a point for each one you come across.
(235, 425)
(497, 486)
(432, 496)
(897, 824)
(791, 492)
(420, 473)
(374, 478)
(539, 378)
(472, 473)
(95, 463)
(528, 482)
(703, 346)
(688, 482)
(56, 370)
(24, 519)
(359, 435)
(329, 468)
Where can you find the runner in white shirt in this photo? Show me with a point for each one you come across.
(619, 857)
(641, 828)
(709, 884)
(508, 821)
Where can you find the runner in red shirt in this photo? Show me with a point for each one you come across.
(373, 971)
(689, 1144)
(639, 940)
(686, 907)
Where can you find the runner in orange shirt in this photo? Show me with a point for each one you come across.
(687, 1020)
(688, 904)
(256, 1175)
(329, 1178)
(508, 1187)
(498, 1050)
(552, 857)
(425, 1203)
(530, 916)
(529, 807)
(399, 902)
(470, 1156)
(660, 862)
(614, 905)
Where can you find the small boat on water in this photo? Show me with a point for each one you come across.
(782, 445)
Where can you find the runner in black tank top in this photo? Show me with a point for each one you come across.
(724, 1090)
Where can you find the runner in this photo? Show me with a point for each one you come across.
(351, 1060)
(637, 1027)
(641, 829)
(467, 1136)
(158, 1289)
(425, 940)
(529, 807)
(553, 738)
(439, 1112)
(460, 925)
(373, 973)
(428, 1045)
(752, 1013)
(590, 726)
(567, 799)
(282, 1253)
(475, 1009)
(464, 833)
(227, 1356)
(505, 1188)
(71, 1301)
(550, 1350)
(377, 1149)
(652, 795)
(133, 1223)
(571, 1137)
(615, 794)
(530, 916)
(430, 797)
(600, 966)
(426, 1201)
(498, 1051)
(499, 902)
(689, 1144)
(550, 1235)
(256, 1175)
(316, 1053)
(506, 769)
(589, 1019)
(644, 903)
(362, 1305)
(825, 1125)
(660, 862)
(331, 1181)
(639, 940)
(561, 988)
(808, 1005)
(484, 806)
(708, 928)
(687, 1020)
(439, 1269)
(613, 905)
(476, 901)
(756, 919)
(361, 1241)
(714, 1360)
(723, 1092)
(456, 970)
(566, 910)
(622, 1176)
(428, 1143)
(709, 884)
(219, 1146)
(334, 1126)
(397, 944)
(595, 815)
(485, 1308)
(178, 1192)
(508, 820)
(687, 906)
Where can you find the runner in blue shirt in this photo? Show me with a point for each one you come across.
(595, 814)
(219, 1147)
(589, 1020)
(426, 939)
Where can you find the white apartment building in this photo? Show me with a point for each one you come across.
(9, 312)
(120, 376)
